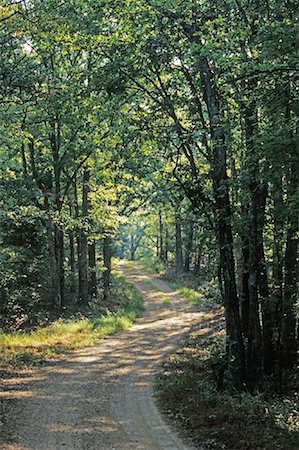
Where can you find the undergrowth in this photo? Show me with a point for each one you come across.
(219, 418)
(84, 329)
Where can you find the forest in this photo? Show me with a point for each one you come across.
(160, 131)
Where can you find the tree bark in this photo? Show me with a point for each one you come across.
(83, 246)
(178, 244)
(289, 343)
(254, 329)
(59, 255)
(72, 265)
(189, 247)
(92, 261)
(161, 237)
(235, 346)
(107, 255)
(55, 279)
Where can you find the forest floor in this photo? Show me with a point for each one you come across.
(102, 397)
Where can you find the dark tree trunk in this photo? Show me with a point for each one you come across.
(278, 220)
(82, 247)
(235, 345)
(59, 255)
(83, 294)
(289, 342)
(245, 287)
(72, 265)
(107, 255)
(166, 243)
(55, 279)
(92, 262)
(266, 306)
(82, 268)
(132, 248)
(254, 330)
(161, 238)
(54, 138)
(189, 247)
(178, 244)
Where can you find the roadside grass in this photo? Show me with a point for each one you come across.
(29, 347)
(190, 393)
(197, 290)
(204, 292)
(193, 297)
(153, 266)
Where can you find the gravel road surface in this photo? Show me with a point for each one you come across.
(102, 397)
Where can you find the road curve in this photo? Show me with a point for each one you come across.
(102, 397)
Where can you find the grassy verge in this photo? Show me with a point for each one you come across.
(204, 292)
(188, 391)
(197, 291)
(64, 335)
(152, 266)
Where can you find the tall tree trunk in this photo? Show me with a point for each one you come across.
(197, 265)
(107, 255)
(254, 330)
(72, 265)
(166, 243)
(266, 303)
(83, 294)
(59, 255)
(235, 346)
(289, 343)
(132, 247)
(277, 291)
(82, 268)
(161, 237)
(189, 247)
(245, 287)
(55, 279)
(81, 246)
(92, 262)
(178, 244)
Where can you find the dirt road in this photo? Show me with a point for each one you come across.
(102, 397)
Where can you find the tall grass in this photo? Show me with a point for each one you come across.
(64, 335)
